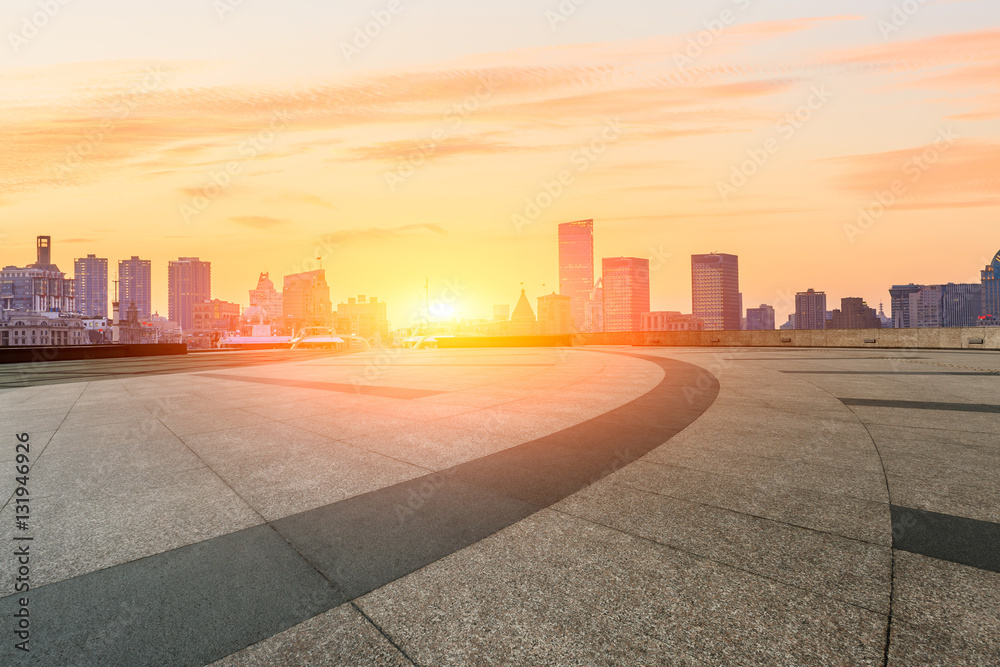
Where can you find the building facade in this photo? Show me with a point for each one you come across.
(669, 320)
(40, 287)
(91, 275)
(899, 303)
(555, 315)
(189, 282)
(305, 300)
(365, 317)
(854, 313)
(216, 315)
(19, 328)
(576, 266)
(991, 293)
(961, 304)
(715, 291)
(135, 285)
(760, 319)
(810, 310)
(926, 307)
(625, 283)
(266, 302)
(522, 320)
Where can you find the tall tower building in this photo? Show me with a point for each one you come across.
(991, 292)
(189, 281)
(576, 266)
(715, 291)
(810, 310)
(899, 296)
(135, 285)
(626, 292)
(91, 274)
(962, 304)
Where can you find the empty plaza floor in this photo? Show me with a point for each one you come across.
(583, 506)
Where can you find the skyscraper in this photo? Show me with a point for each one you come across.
(91, 274)
(135, 285)
(626, 292)
(810, 310)
(189, 281)
(962, 304)
(715, 291)
(760, 319)
(576, 266)
(926, 307)
(991, 292)
(900, 303)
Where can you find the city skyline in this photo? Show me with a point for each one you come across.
(442, 176)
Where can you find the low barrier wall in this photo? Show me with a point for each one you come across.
(24, 355)
(985, 338)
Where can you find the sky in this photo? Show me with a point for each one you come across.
(840, 145)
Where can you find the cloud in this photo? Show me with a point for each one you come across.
(930, 176)
(258, 221)
(378, 234)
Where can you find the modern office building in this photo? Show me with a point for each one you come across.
(854, 313)
(669, 320)
(900, 304)
(715, 291)
(40, 287)
(189, 282)
(365, 317)
(555, 314)
(961, 304)
(760, 319)
(810, 310)
(305, 300)
(926, 307)
(91, 274)
(576, 266)
(626, 292)
(135, 285)
(991, 293)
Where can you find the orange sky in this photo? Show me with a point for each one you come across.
(418, 155)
